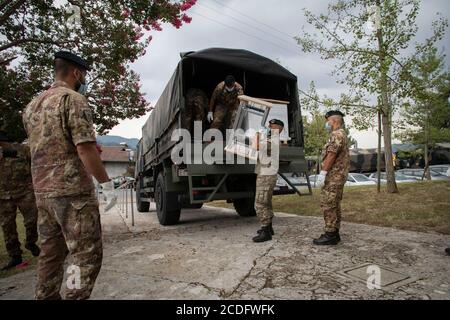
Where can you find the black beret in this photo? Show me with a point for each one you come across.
(334, 113)
(3, 136)
(229, 80)
(69, 56)
(276, 121)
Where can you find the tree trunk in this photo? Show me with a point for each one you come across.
(379, 153)
(390, 171)
(426, 170)
(386, 110)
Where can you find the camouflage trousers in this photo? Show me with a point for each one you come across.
(196, 104)
(223, 116)
(8, 214)
(263, 198)
(330, 202)
(69, 225)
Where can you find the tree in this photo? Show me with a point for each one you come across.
(110, 34)
(426, 113)
(371, 57)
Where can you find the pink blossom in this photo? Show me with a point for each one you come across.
(186, 19)
(156, 25)
(176, 22)
(126, 13)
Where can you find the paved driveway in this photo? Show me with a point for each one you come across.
(210, 255)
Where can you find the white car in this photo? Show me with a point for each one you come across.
(418, 174)
(442, 169)
(353, 179)
(399, 178)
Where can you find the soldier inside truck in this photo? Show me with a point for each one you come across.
(206, 75)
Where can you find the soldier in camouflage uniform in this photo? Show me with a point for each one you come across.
(335, 166)
(266, 178)
(63, 157)
(224, 103)
(196, 104)
(16, 192)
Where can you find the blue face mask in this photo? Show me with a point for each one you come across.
(328, 127)
(82, 89)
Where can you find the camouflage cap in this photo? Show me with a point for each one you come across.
(334, 113)
(73, 58)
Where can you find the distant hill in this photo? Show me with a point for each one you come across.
(116, 140)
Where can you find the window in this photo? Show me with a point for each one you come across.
(360, 178)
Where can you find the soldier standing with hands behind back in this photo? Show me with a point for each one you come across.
(63, 158)
(332, 178)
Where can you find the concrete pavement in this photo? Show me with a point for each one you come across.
(210, 255)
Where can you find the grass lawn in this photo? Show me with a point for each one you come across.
(422, 206)
(26, 256)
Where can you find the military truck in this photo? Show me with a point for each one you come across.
(174, 187)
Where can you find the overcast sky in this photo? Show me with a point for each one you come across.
(264, 27)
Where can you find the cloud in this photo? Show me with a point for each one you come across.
(210, 28)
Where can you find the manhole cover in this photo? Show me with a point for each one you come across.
(389, 279)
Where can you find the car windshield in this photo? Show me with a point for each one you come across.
(360, 178)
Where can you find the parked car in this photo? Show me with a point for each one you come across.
(358, 179)
(442, 169)
(353, 179)
(418, 174)
(399, 178)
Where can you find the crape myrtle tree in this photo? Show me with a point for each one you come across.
(110, 34)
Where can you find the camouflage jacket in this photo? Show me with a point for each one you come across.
(15, 174)
(268, 154)
(56, 122)
(338, 143)
(227, 99)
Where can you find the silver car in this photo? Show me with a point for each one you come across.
(399, 178)
(442, 169)
(353, 180)
(418, 174)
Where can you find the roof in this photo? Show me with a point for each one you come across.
(114, 154)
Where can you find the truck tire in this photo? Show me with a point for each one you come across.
(167, 205)
(187, 205)
(245, 207)
(142, 206)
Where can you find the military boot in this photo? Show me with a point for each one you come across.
(34, 249)
(327, 239)
(14, 261)
(264, 235)
(270, 229)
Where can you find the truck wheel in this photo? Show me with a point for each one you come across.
(245, 207)
(167, 205)
(142, 206)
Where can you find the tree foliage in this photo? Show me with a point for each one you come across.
(369, 40)
(426, 115)
(110, 34)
